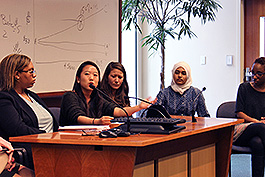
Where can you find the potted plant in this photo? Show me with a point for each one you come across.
(168, 18)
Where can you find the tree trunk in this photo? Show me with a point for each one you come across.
(162, 74)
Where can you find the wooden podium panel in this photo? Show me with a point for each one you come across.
(203, 161)
(175, 165)
(67, 160)
(68, 153)
(144, 169)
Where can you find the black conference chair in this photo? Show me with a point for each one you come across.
(227, 110)
(21, 156)
(56, 112)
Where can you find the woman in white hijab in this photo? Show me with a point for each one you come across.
(180, 98)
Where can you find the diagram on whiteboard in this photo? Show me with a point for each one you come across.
(78, 24)
(59, 35)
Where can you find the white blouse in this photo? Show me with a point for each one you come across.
(45, 119)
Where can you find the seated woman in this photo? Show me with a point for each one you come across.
(86, 106)
(181, 98)
(22, 112)
(8, 166)
(250, 105)
(114, 83)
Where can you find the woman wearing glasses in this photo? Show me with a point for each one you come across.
(250, 105)
(22, 112)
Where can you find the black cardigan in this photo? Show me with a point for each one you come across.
(72, 107)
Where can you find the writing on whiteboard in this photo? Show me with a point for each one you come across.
(86, 12)
(59, 35)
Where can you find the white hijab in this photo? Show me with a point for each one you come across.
(181, 88)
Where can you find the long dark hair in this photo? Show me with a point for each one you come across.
(95, 104)
(122, 91)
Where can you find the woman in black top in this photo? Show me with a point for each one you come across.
(86, 106)
(250, 105)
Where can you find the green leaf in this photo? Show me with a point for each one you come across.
(169, 18)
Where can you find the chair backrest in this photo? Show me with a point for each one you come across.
(226, 109)
(56, 112)
(21, 156)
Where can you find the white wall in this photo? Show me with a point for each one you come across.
(214, 40)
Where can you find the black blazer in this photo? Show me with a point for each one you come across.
(16, 116)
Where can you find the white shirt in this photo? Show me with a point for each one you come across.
(45, 119)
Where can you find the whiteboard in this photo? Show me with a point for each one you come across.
(58, 35)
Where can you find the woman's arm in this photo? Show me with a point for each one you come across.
(118, 112)
(71, 109)
(6, 144)
(247, 118)
(104, 120)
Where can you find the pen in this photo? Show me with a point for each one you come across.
(84, 132)
(4, 149)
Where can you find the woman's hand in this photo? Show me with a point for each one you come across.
(6, 144)
(118, 112)
(248, 118)
(262, 120)
(11, 165)
(104, 120)
(144, 105)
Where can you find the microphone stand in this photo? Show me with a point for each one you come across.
(192, 116)
(193, 109)
(107, 96)
(138, 99)
(158, 108)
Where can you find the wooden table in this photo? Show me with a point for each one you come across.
(186, 153)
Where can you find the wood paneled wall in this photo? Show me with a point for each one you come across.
(253, 9)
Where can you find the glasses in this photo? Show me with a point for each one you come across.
(259, 74)
(29, 71)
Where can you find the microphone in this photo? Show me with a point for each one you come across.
(107, 96)
(138, 99)
(157, 109)
(193, 108)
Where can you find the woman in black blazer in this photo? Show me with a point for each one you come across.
(22, 112)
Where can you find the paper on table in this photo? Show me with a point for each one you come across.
(85, 127)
